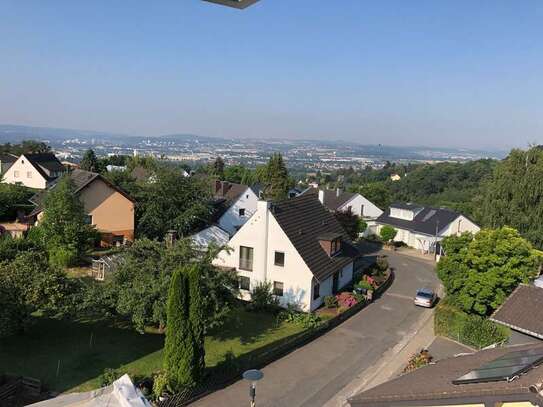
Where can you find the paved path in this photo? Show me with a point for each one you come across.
(315, 373)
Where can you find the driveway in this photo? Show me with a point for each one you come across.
(315, 373)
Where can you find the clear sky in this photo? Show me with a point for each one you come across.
(440, 73)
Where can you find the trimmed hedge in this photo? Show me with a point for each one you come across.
(471, 330)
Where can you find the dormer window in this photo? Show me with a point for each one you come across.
(331, 243)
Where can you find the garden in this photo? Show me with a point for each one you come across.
(363, 289)
(73, 355)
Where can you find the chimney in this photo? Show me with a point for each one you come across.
(338, 192)
(225, 186)
(321, 196)
(263, 205)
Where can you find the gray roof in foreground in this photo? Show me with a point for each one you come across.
(432, 384)
(523, 310)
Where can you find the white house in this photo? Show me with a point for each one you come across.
(341, 201)
(422, 227)
(236, 203)
(34, 170)
(298, 246)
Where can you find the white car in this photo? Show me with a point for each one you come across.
(425, 297)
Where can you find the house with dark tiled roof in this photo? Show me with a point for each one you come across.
(422, 227)
(342, 201)
(36, 171)
(298, 246)
(108, 208)
(522, 311)
(6, 161)
(504, 377)
(233, 205)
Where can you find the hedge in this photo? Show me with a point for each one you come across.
(471, 330)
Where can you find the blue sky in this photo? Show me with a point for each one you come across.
(438, 73)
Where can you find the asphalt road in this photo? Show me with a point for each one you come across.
(315, 373)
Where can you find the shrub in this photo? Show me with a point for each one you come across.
(472, 330)
(307, 320)
(262, 298)
(63, 257)
(381, 263)
(13, 312)
(388, 233)
(330, 301)
(346, 300)
(420, 359)
(109, 376)
(364, 284)
(160, 384)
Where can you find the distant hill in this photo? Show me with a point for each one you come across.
(57, 136)
(13, 133)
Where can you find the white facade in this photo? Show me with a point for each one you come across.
(265, 236)
(362, 207)
(23, 172)
(239, 212)
(425, 242)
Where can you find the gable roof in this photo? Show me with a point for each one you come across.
(522, 310)
(304, 219)
(81, 179)
(434, 382)
(332, 200)
(226, 194)
(45, 164)
(228, 190)
(8, 158)
(426, 221)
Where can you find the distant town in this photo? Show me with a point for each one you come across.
(195, 150)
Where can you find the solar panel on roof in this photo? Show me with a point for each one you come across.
(506, 367)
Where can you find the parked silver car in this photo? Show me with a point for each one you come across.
(425, 297)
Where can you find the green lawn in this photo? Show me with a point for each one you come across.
(85, 348)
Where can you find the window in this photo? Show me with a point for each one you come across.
(279, 259)
(278, 288)
(316, 291)
(246, 258)
(336, 246)
(244, 283)
(88, 219)
(16, 174)
(29, 174)
(361, 210)
(241, 211)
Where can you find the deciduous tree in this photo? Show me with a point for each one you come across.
(89, 162)
(479, 272)
(388, 233)
(64, 229)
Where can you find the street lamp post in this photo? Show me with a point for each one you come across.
(253, 376)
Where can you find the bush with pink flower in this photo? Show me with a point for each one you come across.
(346, 300)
